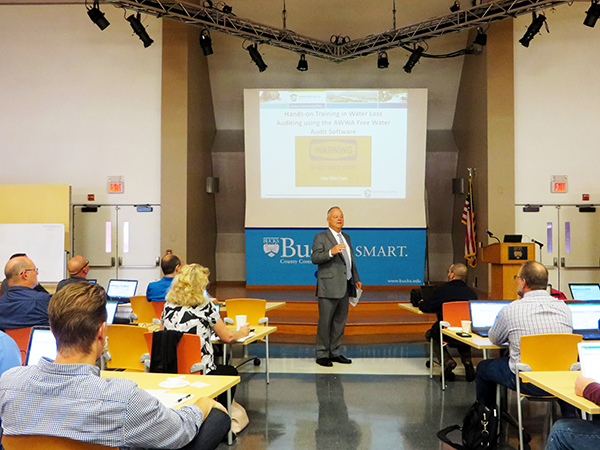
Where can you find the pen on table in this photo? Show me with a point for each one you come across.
(183, 399)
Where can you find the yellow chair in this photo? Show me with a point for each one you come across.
(143, 309)
(126, 347)
(544, 353)
(39, 442)
(255, 311)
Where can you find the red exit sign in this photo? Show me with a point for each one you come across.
(116, 185)
(115, 188)
(560, 187)
(559, 184)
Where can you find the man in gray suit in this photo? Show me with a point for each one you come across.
(337, 280)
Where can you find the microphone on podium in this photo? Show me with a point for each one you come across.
(538, 243)
(490, 234)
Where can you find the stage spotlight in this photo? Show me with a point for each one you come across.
(533, 29)
(302, 64)
(455, 7)
(382, 61)
(97, 16)
(256, 58)
(479, 42)
(592, 14)
(206, 42)
(413, 59)
(139, 29)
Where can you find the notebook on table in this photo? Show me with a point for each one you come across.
(121, 290)
(589, 357)
(483, 314)
(586, 318)
(585, 291)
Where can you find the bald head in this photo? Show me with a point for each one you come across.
(457, 271)
(21, 271)
(170, 265)
(78, 266)
(534, 275)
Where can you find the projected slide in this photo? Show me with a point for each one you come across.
(333, 143)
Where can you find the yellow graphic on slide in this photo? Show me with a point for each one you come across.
(333, 161)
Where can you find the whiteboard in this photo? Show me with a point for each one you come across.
(44, 244)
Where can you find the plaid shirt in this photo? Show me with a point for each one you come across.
(536, 313)
(74, 401)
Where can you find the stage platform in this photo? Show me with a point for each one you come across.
(377, 319)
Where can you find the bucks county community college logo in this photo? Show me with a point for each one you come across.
(271, 246)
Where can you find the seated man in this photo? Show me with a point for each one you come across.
(157, 290)
(535, 313)
(78, 268)
(4, 286)
(576, 434)
(455, 289)
(68, 397)
(21, 306)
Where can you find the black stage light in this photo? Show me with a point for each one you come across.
(256, 58)
(533, 29)
(302, 64)
(592, 14)
(413, 59)
(97, 16)
(479, 42)
(455, 7)
(206, 42)
(382, 61)
(139, 29)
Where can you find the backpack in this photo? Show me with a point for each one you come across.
(479, 429)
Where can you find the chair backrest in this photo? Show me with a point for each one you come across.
(38, 442)
(126, 345)
(21, 337)
(254, 309)
(548, 352)
(143, 309)
(455, 312)
(189, 351)
(158, 308)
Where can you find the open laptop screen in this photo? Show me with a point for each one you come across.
(483, 314)
(121, 288)
(41, 343)
(583, 291)
(111, 310)
(589, 356)
(586, 318)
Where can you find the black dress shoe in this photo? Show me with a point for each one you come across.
(325, 362)
(341, 359)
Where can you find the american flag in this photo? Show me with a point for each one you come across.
(468, 218)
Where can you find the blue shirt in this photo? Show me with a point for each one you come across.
(74, 401)
(10, 355)
(23, 307)
(157, 290)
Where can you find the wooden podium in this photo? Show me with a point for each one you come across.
(506, 259)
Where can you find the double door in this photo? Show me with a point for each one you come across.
(571, 238)
(119, 241)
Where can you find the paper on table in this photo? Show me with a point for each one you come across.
(170, 399)
(354, 300)
(199, 384)
(252, 333)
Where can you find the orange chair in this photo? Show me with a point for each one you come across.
(189, 353)
(39, 442)
(143, 309)
(127, 347)
(544, 353)
(452, 315)
(158, 308)
(21, 337)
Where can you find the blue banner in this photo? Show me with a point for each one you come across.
(383, 256)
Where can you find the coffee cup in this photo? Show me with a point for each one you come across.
(240, 321)
(466, 326)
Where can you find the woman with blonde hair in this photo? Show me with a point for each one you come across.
(191, 310)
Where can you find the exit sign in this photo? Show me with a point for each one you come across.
(559, 184)
(116, 185)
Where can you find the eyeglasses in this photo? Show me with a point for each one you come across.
(29, 270)
(517, 277)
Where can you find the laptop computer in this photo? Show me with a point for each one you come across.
(585, 291)
(41, 343)
(483, 314)
(589, 357)
(111, 310)
(513, 238)
(586, 318)
(121, 290)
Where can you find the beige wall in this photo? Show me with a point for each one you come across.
(188, 223)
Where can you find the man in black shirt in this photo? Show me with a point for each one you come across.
(455, 289)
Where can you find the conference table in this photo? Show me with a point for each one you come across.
(561, 384)
(258, 333)
(208, 386)
(475, 341)
(411, 308)
(269, 307)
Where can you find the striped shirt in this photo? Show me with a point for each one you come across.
(74, 401)
(536, 313)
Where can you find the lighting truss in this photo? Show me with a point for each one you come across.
(216, 20)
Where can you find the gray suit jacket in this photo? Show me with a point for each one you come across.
(331, 274)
